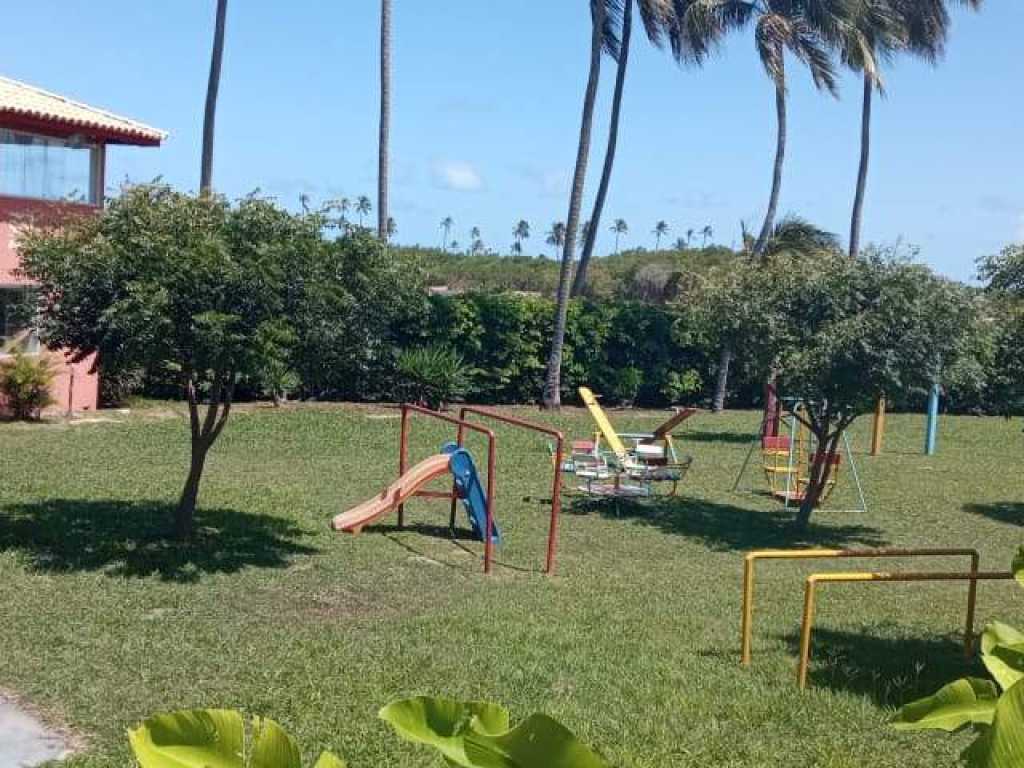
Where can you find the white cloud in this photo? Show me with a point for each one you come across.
(457, 175)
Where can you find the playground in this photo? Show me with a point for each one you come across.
(630, 634)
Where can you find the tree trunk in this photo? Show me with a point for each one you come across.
(722, 381)
(551, 398)
(204, 432)
(385, 119)
(580, 281)
(185, 514)
(780, 157)
(212, 87)
(821, 469)
(862, 172)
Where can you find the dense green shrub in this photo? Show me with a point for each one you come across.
(432, 376)
(25, 384)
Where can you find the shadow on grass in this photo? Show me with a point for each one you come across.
(423, 529)
(705, 436)
(890, 671)
(1009, 512)
(122, 538)
(728, 527)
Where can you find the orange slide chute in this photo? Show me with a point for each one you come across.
(354, 519)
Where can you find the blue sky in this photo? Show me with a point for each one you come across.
(486, 118)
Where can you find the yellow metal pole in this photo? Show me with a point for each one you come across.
(807, 623)
(751, 558)
(746, 628)
(805, 631)
(878, 427)
(972, 599)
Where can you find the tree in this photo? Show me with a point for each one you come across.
(391, 229)
(706, 234)
(689, 237)
(841, 332)
(446, 227)
(681, 244)
(659, 231)
(383, 157)
(619, 227)
(793, 236)
(363, 207)
(801, 27)
(552, 394)
(520, 233)
(212, 89)
(166, 281)
(556, 236)
(873, 32)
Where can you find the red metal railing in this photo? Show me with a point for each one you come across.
(556, 485)
(403, 452)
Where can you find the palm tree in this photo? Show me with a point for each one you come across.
(793, 235)
(689, 237)
(343, 205)
(363, 207)
(446, 226)
(517, 248)
(390, 228)
(520, 233)
(556, 236)
(385, 119)
(659, 231)
(705, 235)
(873, 33)
(477, 246)
(802, 28)
(619, 227)
(212, 88)
(681, 244)
(600, 20)
(657, 15)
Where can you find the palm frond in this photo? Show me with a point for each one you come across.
(611, 25)
(807, 45)
(794, 234)
(771, 36)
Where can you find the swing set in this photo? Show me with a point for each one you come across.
(789, 451)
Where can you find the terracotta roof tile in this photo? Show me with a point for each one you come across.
(27, 101)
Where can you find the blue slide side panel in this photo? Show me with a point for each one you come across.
(471, 491)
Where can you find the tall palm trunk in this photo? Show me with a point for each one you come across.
(385, 119)
(212, 87)
(580, 281)
(862, 172)
(780, 157)
(722, 380)
(552, 395)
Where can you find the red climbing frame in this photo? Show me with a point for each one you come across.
(556, 484)
(403, 454)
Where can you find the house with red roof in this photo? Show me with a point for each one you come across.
(52, 165)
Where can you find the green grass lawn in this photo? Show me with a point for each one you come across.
(634, 644)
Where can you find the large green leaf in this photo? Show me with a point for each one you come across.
(1017, 566)
(329, 760)
(1002, 744)
(272, 747)
(537, 742)
(966, 701)
(196, 738)
(1002, 651)
(443, 723)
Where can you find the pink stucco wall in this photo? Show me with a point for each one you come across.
(75, 387)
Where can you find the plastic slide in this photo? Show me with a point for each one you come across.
(456, 460)
(356, 518)
(470, 490)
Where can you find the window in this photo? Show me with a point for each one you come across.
(16, 332)
(45, 168)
